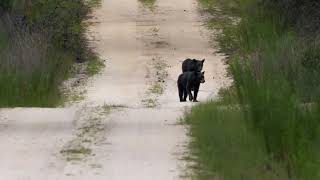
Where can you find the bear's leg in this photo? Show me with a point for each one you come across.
(196, 90)
(185, 94)
(180, 93)
(189, 93)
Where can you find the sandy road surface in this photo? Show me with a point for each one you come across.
(126, 128)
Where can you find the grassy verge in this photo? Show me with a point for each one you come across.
(274, 64)
(225, 148)
(39, 42)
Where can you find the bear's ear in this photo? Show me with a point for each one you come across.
(203, 60)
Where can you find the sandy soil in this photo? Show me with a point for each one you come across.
(127, 125)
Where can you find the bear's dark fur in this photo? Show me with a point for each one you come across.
(188, 81)
(192, 65)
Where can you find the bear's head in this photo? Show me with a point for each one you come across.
(198, 64)
(200, 77)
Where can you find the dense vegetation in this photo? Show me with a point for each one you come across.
(272, 110)
(39, 41)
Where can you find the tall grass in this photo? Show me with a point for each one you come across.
(39, 40)
(225, 148)
(270, 82)
(30, 70)
(276, 80)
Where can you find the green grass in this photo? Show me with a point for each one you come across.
(80, 150)
(95, 66)
(94, 3)
(3, 37)
(150, 102)
(34, 62)
(33, 86)
(148, 3)
(276, 84)
(106, 108)
(225, 148)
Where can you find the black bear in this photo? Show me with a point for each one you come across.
(192, 65)
(188, 81)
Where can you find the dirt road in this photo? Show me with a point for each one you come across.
(127, 125)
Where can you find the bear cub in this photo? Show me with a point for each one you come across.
(188, 81)
(192, 65)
